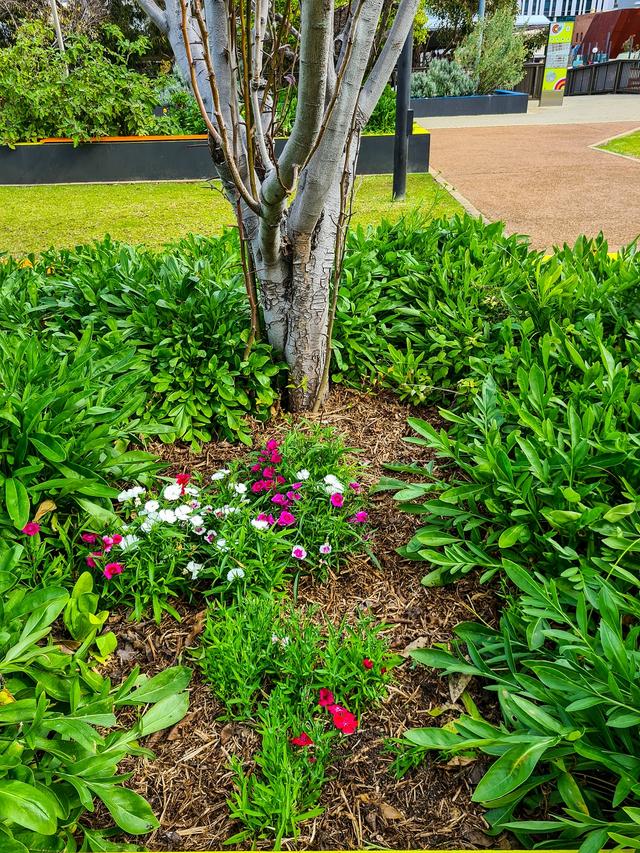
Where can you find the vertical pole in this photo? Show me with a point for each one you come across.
(481, 16)
(60, 40)
(403, 95)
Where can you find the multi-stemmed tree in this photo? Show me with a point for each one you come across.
(249, 62)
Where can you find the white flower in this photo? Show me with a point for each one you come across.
(206, 509)
(222, 544)
(221, 474)
(129, 542)
(193, 568)
(259, 524)
(130, 494)
(192, 490)
(147, 524)
(194, 504)
(240, 488)
(172, 492)
(232, 574)
(196, 520)
(325, 549)
(183, 512)
(167, 515)
(152, 506)
(199, 530)
(209, 536)
(281, 641)
(333, 484)
(303, 475)
(223, 511)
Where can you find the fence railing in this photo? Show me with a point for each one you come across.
(618, 76)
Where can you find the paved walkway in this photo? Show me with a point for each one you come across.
(542, 178)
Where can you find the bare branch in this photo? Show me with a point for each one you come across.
(381, 71)
(322, 169)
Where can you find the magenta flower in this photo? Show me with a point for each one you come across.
(264, 517)
(325, 548)
(296, 485)
(255, 468)
(337, 500)
(326, 698)
(259, 486)
(89, 538)
(355, 486)
(90, 559)
(108, 543)
(112, 569)
(298, 552)
(269, 473)
(280, 499)
(359, 517)
(31, 528)
(285, 519)
(272, 445)
(294, 496)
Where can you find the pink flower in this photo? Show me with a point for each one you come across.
(255, 468)
(272, 445)
(302, 739)
(268, 518)
(108, 543)
(259, 486)
(117, 539)
(280, 500)
(89, 538)
(296, 485)
(90, 559)
(367, 663)
(294, 496)
(286, 518)
(337, 500)
(355, 486)
(359, 517)
(298, 552)
(325, 548)
(31, 528)
(112, 569)
(269, 473)
(326, 697)
(280, 480)
(275, 458)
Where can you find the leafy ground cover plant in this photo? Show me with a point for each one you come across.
(293, 507)
(59, 736)
(305, 682)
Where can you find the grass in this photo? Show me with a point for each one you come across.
(35, 218)
(628, 144)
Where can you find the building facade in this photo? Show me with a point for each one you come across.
(564, 8)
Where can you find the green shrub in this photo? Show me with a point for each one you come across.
(59, 736)
(444, 78)
(383, 117)
(101, 95)
(65, 422)
(497, 62)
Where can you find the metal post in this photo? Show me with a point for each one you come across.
(56, 24)
(481, 15)
(403, 96)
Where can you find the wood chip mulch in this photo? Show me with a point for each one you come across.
(364, 803)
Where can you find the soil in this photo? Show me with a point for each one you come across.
(365, 804)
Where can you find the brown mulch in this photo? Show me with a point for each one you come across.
(364, 803)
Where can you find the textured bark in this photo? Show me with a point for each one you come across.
(290, 210)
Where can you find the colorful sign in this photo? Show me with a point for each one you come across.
(557, 62)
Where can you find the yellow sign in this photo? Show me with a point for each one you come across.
(558, 56)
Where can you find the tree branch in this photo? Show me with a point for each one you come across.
(386, 62)
(156, 14)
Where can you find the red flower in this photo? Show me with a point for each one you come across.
(255, 468)
(326, 698)
(337, 500)
(183, 481)
(303, 739)
(112, 569)
(117, 539)
(285, 519)
(31, 528)
(89, 538)
(259, 486)
(280, 480)
(344, 720)
(275, 458)
(367, 663)
(90, 561)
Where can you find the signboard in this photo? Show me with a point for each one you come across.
(556, 63)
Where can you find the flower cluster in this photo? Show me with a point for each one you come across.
(342, 719)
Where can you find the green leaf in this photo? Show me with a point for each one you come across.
(28, 806)
(17, 501)
(167, 712)
(49, 447)
(511, 769)
(131, 812)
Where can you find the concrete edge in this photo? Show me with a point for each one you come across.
(471, 209)
(597, 146)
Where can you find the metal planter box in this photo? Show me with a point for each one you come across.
(174, 158)
(499, 103)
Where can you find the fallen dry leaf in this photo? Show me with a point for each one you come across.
(457, 685)
(43, 509)
(390, 813)
(419, 643)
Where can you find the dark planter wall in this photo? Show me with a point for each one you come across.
(499, 103)
(171, 159)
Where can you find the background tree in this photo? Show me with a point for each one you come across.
(292, 207)
(456, 19)
(498, 62)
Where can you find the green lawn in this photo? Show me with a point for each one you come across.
(35, 218)
(629, 144)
